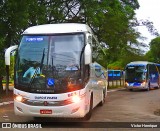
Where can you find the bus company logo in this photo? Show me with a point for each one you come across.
(45, 103)
(34, 39)
(45, 97)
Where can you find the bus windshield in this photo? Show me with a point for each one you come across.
(135, 73)
(49, 64)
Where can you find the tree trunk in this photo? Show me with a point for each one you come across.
(1, 85)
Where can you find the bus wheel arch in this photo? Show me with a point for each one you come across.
(103, 98)
(158, 86)
(89, 114)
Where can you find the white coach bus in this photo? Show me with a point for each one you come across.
(54, 72)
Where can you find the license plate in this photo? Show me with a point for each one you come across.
(45, 111)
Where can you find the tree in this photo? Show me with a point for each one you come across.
(2, 70)
(114, 28)
(111, 20)
(154, 53)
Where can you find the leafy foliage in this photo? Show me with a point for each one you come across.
(112, 21)
(154, 53)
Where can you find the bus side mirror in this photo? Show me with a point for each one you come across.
(8, 53)
(87, 54)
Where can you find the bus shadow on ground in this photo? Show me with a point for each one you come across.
(139, 90)
(62, 122)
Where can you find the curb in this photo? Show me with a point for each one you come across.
(6, 103)
(113, 90)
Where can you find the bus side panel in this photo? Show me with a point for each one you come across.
(99, 83)
(153, 76)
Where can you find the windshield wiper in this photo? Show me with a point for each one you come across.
(42, 59)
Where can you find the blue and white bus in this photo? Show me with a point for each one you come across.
(141, 75)
(65, 83)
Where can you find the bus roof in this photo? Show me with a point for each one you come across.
(58, 28)
(140, 63)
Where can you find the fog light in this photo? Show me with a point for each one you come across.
(19, 109)
(75, 110)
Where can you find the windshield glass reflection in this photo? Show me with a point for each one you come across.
(49, 62)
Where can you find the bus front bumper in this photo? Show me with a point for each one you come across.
(74, 110)
(136, 85)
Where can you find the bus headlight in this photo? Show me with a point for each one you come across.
(143, 84)
(19, 98)
(76, 99)
(126, 84)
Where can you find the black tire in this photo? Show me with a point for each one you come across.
(130, 89)
(89, 114)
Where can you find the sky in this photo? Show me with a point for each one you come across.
(149, 9)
